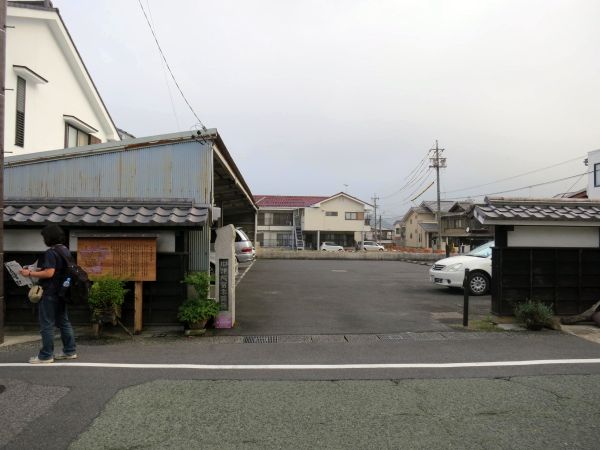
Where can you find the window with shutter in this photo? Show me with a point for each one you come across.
(20, 128)
(75, 137)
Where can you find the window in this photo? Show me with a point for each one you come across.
(597, 175)
(331, 213)
(75, 137)
(276, 218)
(355, 216)
(20, 128)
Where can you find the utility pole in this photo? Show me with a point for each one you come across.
(2, 90)
(375, 198)
(438, 163)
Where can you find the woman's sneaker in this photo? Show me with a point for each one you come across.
(63, 356)
(36, 360)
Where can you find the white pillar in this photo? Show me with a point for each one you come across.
(226, 268)
(318, 239)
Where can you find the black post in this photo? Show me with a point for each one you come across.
(466, 299)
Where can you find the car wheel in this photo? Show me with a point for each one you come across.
(380, 249)
(479, 283)
(341, 250)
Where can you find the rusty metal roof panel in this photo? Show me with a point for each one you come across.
(178, 170)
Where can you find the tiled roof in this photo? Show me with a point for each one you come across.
(103, 213)
(445, 205)
(289, 201)
(516, 210)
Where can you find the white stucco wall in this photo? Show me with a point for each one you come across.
(31, 240)
(36, 42)
(316, 219)
(593, 159)
(547, 236)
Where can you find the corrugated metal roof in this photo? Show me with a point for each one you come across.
(519, 210)
(104, 212)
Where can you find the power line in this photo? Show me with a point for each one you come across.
(514, 176)
(579, 175)
(165, 74)
(410, 177)
(169, 67)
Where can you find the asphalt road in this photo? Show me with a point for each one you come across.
(237, 394)
(338, 297)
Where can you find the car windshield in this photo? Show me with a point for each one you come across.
(483, 251)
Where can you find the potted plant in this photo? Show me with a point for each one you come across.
(534, 314)
(198, 308)
(106, 298)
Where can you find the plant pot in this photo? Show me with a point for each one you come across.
(196, 328)
(107, 315)
(197, 325)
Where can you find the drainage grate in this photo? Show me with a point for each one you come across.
(260, 339)
(393, 337)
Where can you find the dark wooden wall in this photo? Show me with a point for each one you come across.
(567, 278)
(161, 297)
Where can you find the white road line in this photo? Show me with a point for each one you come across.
(245, 272)
(539, 362)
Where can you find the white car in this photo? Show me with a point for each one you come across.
(331, 247)
(450, 272)
(372, 246)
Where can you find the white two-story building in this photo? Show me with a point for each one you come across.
(51, 99)
(307, 221)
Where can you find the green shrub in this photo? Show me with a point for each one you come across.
(195, 310)
(200, 281)
(200, 307)
(106, 294)
(534, 314)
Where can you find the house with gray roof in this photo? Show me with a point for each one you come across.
(546, 249)
(419, 227)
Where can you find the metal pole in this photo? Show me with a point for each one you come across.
(439, 209)
(466, 299)
(2, 101)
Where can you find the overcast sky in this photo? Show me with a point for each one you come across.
(316, 97)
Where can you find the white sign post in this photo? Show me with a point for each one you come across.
(226, 268)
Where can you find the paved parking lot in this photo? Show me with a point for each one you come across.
(343, 297)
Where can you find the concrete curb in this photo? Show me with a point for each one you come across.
(351, 256)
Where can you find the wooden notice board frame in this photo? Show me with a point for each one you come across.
(129, 258)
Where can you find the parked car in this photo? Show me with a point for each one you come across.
(331, 247)
(450, 272)
(370, 246)
(244, 250)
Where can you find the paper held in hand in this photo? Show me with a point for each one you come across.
(13, 268)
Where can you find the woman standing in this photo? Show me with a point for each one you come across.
(52, 309)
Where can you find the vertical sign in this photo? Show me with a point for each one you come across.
(224, 284)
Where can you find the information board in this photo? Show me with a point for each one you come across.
(130, 259)
(224, 284)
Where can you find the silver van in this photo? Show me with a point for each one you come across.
(244, 250)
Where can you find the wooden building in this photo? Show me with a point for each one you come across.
(546, 249)
(171, 188)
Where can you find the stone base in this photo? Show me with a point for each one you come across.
(199, 332)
